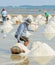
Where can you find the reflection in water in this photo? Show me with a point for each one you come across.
(22, 60)
(43, 60)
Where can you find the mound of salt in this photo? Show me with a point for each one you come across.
(33, 26)
(42, 49)
(7, 27)
(42, 22)
(39, 16)
(20, 18)
(49, 31)
(52, 24)
(14, 19)
(43, 53)
(50, 17)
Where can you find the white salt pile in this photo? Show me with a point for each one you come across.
(39, 16)
(20, 18)
(33, 26)
(42, 49)
(7, 26)
(50, 17)
(49, 31)
(42, 53)
(41, 20)
(14, 19)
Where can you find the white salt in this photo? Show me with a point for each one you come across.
(42, 49)
(43, 53)
(7, 26)
(50, 31)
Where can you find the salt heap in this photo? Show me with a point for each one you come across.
(42, 49)
(33, 26)
(20, 18)
(42, 53)
(14, 19)
(40, 19)
(49, 31)
(50, 17)
(39, 16)
(7, 27)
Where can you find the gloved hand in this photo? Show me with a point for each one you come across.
(16, 36)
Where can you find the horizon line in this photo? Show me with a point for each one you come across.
(25, 5)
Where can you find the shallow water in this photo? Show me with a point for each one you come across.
(5, 44)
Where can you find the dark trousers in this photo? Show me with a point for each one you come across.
(47, 18)
(3, 18)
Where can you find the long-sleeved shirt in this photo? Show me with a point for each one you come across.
(21, 31)
(4, 13)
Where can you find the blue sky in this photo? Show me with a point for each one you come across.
(26, 2)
